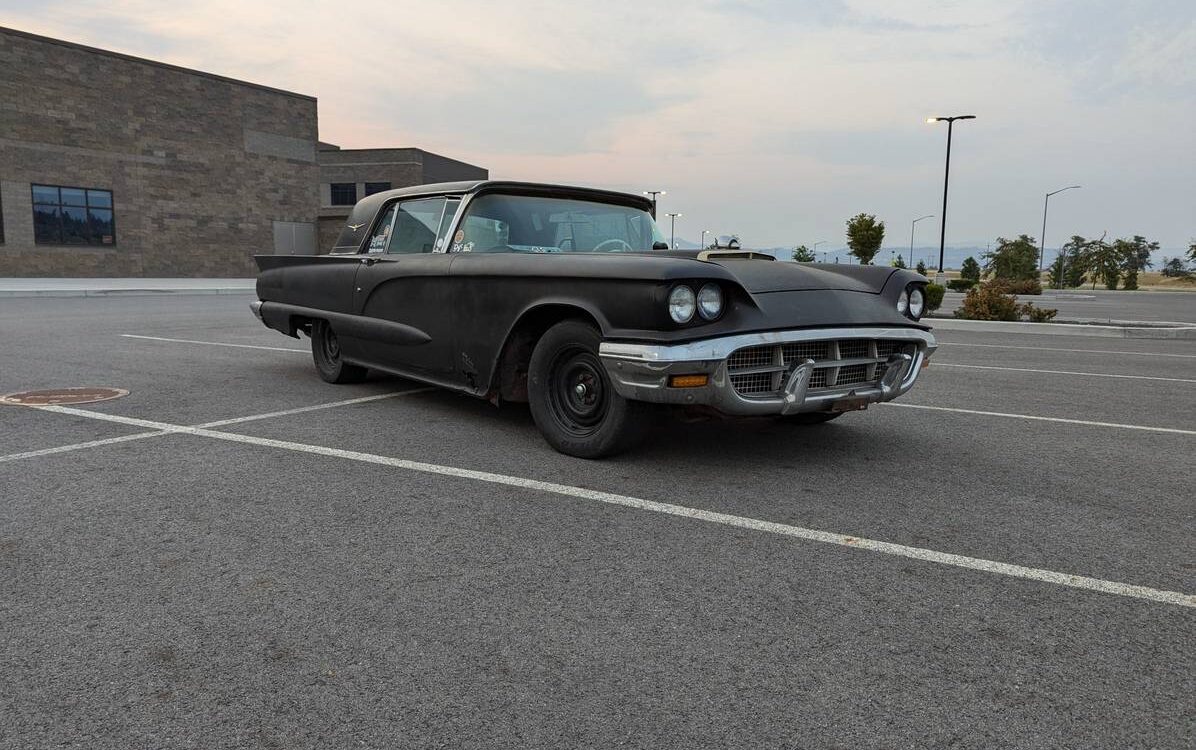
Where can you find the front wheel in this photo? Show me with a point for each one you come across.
(571, 398)
(326, 351)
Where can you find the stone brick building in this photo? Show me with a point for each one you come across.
(348, 175)
(112, 165)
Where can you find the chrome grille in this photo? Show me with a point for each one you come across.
(761, 371)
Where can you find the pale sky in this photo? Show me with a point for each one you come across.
(774, 120)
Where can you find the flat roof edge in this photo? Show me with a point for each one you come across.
(155, 63)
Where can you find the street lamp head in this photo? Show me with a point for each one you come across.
(930, 120)
(952, 118)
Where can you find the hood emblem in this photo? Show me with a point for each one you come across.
(355, 227)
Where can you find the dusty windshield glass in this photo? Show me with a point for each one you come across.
(524, 224)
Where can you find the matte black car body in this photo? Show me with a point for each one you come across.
(468, 321)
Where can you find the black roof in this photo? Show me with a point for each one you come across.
(369, 205)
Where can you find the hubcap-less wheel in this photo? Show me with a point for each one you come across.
(326, 350)
(577, 391)
(572, 400)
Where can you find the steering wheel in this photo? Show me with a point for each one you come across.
(614, 241)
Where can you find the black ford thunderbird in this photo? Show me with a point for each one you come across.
(569, 299)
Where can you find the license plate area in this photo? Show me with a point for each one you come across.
(857, 403)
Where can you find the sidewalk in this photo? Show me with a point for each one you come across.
(124, 287)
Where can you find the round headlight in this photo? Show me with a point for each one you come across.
(710, 301)
(903, 302)
(917, 302)
(682, 304)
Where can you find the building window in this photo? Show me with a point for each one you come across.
(344, 193)
(72, 216)
(376, 187)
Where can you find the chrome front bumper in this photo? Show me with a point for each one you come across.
(641, 372)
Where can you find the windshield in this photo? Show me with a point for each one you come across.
(497, 223)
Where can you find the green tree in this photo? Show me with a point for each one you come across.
(1135, 257)
(1102, 262)
(1013, 260)
(970, 270)
(921, 268)
(1192, 251)
(1069, 264)
(864, 236)
(900, 262)
(1174, 267)
(803, 254)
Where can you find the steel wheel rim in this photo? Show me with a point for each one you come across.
(577, 391)
(329, 346)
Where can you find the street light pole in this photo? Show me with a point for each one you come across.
(1046, 202)
(814, 249)
(673, 231)
(703, 242)
(913, 224)
(941, 275)
(654, 193)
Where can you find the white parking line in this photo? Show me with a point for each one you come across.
(214, 343)
(813, 535)
(1080, 351)
(82, 446)
(317, 407)
(1118, 425)
(1064, 372)
(220, 423)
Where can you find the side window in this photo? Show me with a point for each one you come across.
(450, 212)
(382, 232)
(415, 226)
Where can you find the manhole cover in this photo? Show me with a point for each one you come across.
(83, 395)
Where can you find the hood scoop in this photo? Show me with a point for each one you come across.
(717, 255)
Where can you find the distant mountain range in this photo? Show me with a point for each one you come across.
(953, 257)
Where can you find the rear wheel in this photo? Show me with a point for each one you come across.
(571, 398)
(326, 351)
(810, 417)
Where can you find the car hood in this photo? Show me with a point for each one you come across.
(763, 276)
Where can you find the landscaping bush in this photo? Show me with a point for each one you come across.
(934, 297)
(1038, 314)
(1016, 286)
(961, 285)
(989, 303)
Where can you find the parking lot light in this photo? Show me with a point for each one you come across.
(673, 231)
(940, 275)
(1042, 239)
(654, 193)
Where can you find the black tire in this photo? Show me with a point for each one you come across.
(572, 400)
(326, 352)
(810, 417)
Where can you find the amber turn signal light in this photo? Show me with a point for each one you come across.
(688, 381)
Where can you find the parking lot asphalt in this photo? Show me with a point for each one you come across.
(1003, 558)
(1102, 304)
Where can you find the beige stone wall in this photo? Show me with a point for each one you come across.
(199, 167)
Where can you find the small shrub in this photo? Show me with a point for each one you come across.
(1016, 286)
(1038, 314)
(988, 303)
(934, 297)
(921, 268)
(960, 285)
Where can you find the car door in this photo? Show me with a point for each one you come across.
(404, 279)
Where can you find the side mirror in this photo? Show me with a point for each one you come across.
(660, 246)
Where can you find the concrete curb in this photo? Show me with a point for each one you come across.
(1127, 330)
(15, 293)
